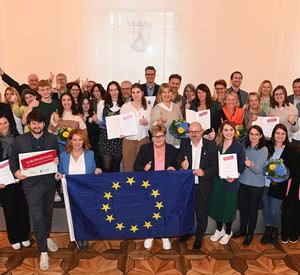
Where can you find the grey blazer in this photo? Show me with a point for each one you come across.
(22, 144)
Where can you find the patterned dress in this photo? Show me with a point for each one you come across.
(109, 147)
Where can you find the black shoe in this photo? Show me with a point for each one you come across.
(293, 240)
(249, 237)
(79, 245)
(85, 244)
(274, 235)
(266, 238)
(197, 245)
(241, 233)
(284, 239)
(185, 238)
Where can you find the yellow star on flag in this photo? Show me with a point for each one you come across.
(105, 207)
(146, 184)
(116, 185)
(159, 205)
(120, 226)
(156, 216)
(155, 193)
(107, 195)
(130, 181)
(109, 218)
(134, 228)
(148, 224)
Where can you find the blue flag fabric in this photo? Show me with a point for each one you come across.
(132, 205)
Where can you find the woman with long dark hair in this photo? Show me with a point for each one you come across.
(76, 92)
(252, 183)
(285, 193)
(110, 150)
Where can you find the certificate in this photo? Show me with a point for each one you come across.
(203, 117)
(150, 100)
(228, 167)
(6, 176)
(38, 163)
(118, 125)
(267, 124)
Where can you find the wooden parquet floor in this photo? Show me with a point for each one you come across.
(130, 257)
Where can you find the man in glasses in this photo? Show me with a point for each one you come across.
(150, 87)
(126, 90)
(201, 155)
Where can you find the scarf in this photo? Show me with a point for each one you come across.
(237, 118)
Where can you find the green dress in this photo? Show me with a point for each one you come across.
(222, 204)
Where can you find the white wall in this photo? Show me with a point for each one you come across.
(201, 40)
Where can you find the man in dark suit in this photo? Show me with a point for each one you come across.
(236, 81)
(39, 190)
(150, 88)
(201, 155)
(295, 97)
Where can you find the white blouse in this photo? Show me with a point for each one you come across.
(77, 168)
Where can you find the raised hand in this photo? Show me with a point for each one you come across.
(248, 162)
(94, 117)
(51, 77)
(163, 117)
(185, 163)
(85, 84)
(292, 119)
(143, 121)
(55, 116)
(148, 166)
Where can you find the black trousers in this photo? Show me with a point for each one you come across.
(40, 200)
(202, 193)
(16, 213)
(249, 199)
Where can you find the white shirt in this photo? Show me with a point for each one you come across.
(196, 157)
(77, 168)
(142, 129)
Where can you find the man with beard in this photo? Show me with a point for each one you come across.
(39, 190)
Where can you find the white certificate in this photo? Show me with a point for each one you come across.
(38, 163)
(6, 176)
(267, 124)
(228, 167)
(203, 117)
(150, 100)
(118, 125)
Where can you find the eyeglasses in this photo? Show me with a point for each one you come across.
(75, 90)
(279, 94)
(194, 132)
(158, 137)
(254, 135)
(125, 89)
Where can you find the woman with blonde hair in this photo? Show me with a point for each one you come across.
(12, 98)
(265, 92)
(165, 112)
(230, 111)
(252, 109)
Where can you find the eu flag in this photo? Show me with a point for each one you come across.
(131, 205)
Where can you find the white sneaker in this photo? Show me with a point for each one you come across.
(57, 197)
(26, 243)
(44, 261)
(217, 235)
(52, 245)
(225, 239)
(16, 246)
(148, 243)
(166, 243)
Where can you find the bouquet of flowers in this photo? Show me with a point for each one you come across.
(102, 125)
(179, 128)
(241, 132)
(276, 171)
(63, 134)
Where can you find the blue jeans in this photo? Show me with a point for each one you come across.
(271, 209)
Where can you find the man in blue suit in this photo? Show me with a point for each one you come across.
(236, 81)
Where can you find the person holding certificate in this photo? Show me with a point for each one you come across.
(287, 112)
(222, 203)
(230, 111)
(131, 144)
(77, 159)
(12, 196)
(110, 149)
(155, 156)
(265, 92)
(165, 112)
(252, 182)
(252, 109)
(284, 193)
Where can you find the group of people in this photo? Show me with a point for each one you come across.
(40, 111)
